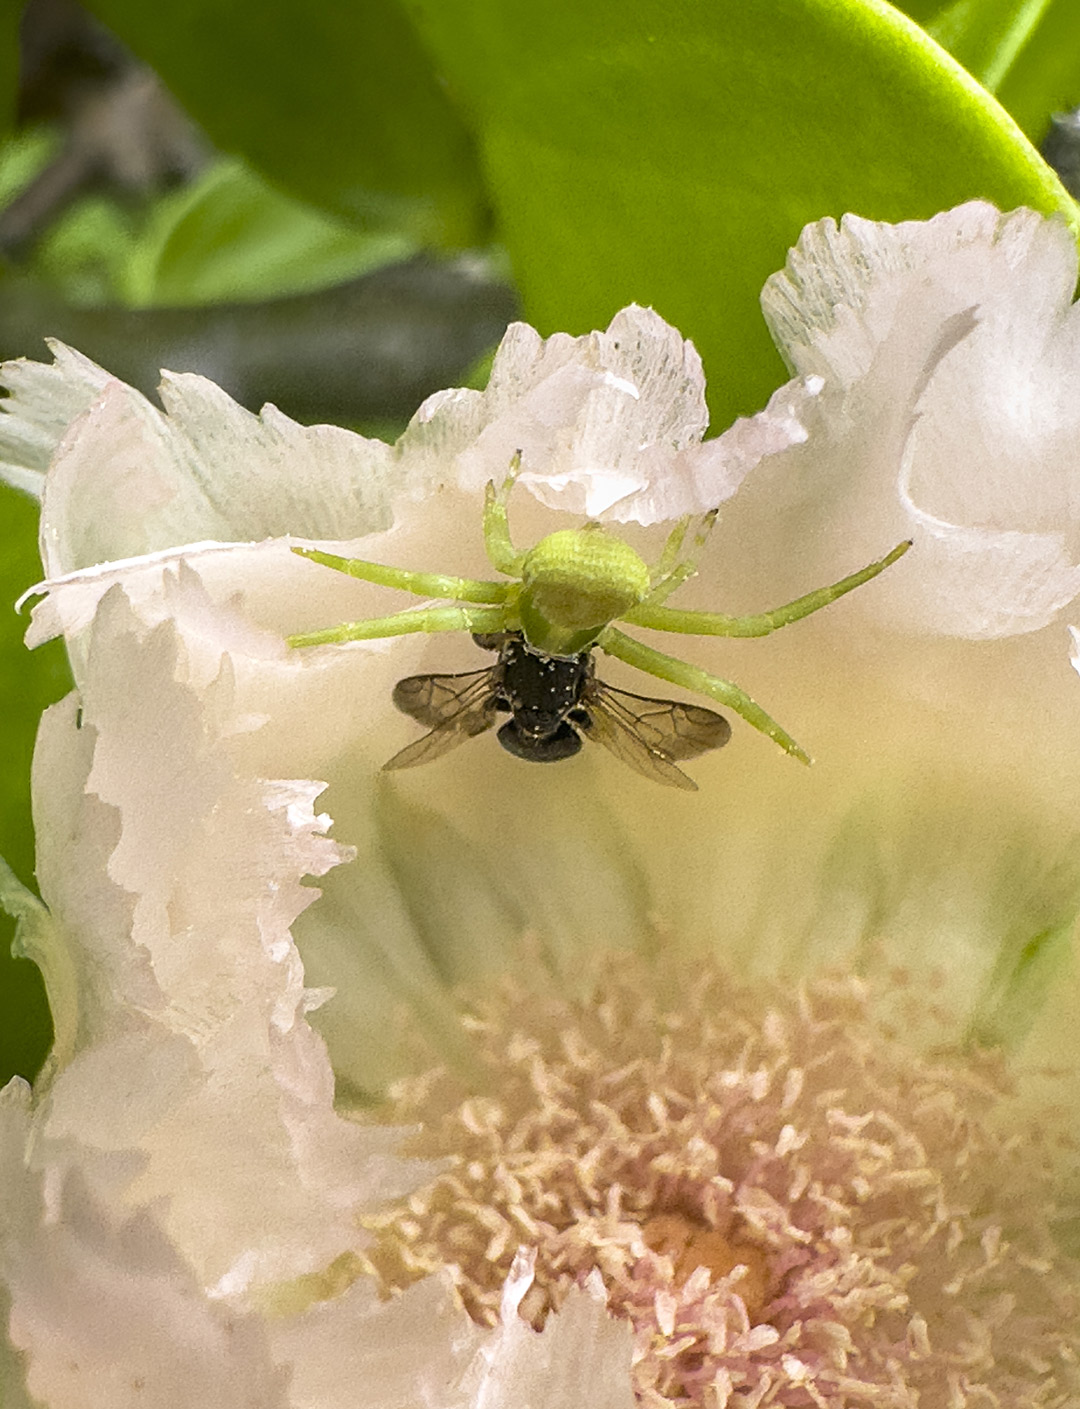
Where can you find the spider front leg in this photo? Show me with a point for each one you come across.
(500, 549)
(692, 623)
(421, 584)
(485, 620)
(672, 548)
(671, 571)
(692, 677)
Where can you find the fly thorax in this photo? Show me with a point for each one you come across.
(573, 583)
(541, 689)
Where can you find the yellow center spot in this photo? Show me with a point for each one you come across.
(690, 1245)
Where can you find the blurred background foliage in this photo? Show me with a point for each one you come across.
(339, 205)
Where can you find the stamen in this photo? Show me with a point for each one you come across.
(788, 1205)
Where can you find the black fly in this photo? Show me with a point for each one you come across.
(552, 702)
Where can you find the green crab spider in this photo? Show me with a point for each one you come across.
(565, 593)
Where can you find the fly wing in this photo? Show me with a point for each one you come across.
(649, 734)
(454, 707)
(438, 700)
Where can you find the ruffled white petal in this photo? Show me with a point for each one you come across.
(174, 875)
(950, 349)
(126, 480)
(608, 425)
(357, 1353)
(103, 1309)
(42, 402)
(848, 289)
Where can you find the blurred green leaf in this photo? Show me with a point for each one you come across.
(230, 237)
(670, 151)
(22, 156)
(10, 15)
(28, 682)
(85, 253)
(1026, 52)
(333, 100)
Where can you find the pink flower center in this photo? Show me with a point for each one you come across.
(789, 1205)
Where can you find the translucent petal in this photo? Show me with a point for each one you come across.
(42, 402)
(356, 1352)
(608, 425)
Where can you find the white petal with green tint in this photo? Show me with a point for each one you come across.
(158, 481)
(42, 403)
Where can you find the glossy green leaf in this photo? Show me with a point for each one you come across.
(924, 12)
(231, 237)
(333, 100)
(1026, 52)
(28, 682)
(670, 151)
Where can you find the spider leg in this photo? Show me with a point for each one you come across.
(500, 548)
(423, 584)
(427, 619)
(670, 556)
(674, 572)
(693, 623)
(692, 677)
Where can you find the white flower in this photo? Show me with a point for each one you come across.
(184, 1218)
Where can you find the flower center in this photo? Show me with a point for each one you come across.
(788, 1205)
